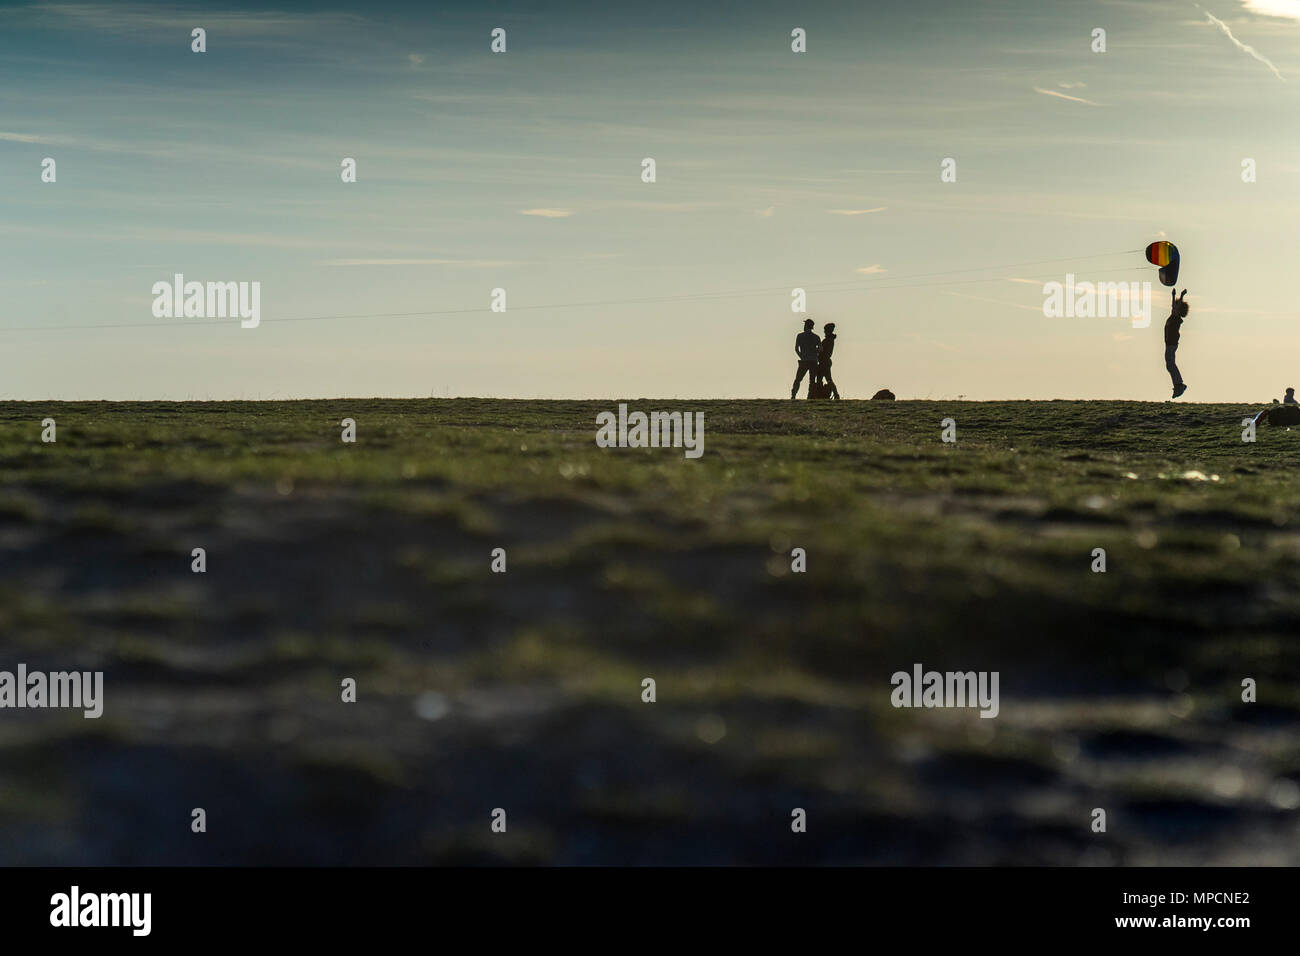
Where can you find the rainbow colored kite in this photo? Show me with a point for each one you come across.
(1165, 255)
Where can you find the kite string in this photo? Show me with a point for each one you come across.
(827, 288)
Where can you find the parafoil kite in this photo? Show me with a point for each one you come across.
(1165, 255)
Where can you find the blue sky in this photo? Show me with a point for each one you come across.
(774, 170)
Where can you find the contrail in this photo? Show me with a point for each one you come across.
(1245, 48)
(1072, 99)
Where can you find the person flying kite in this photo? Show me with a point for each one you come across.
(1177, 312)
(1165, 255)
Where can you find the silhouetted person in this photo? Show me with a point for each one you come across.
(824, 359)
(1289, 397)
(1177, 312)
(806, 346)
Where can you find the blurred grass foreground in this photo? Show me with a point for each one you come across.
(523, 690)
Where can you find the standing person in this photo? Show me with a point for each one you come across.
(824, 359)
(1177, 312)
(806, 346)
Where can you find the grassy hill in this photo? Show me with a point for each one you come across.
(522, 690)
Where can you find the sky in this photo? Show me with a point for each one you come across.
(522, 170)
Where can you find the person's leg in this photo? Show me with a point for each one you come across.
(824, 375)
(1171, 367)
(794, 389)
(807, 368)
(835, 392)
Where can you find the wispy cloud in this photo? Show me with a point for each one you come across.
(767, 213)
(1120, 292)
(1071, 86)
(1009, 305)
(548, 213)
(415, 59)
(416, 262)
(156, 148)
(855, 212)
(1064, 96)
(1243, 47)
(872, 270)
(1289, 9)
(662, 206)
(925, 340)
(1205, 308)
(138, 19)
(165, 235)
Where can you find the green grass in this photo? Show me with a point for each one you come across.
(371, 560)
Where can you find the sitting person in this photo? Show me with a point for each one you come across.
(1289, 397)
